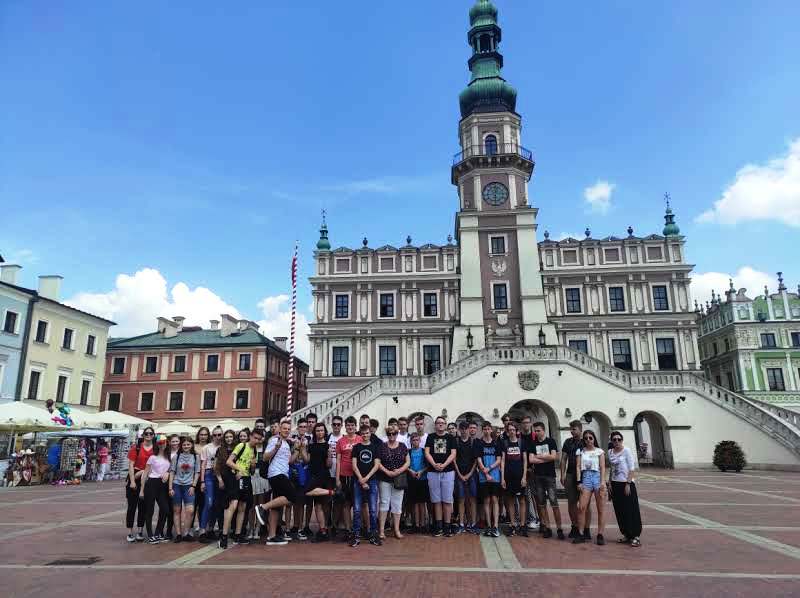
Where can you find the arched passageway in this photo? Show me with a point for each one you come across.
(651, 436)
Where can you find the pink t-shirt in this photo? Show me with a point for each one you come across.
(102, 454)
(344, 452)
(158, 466)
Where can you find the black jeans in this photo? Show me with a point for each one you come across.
(626, 509)
(155, 491)
(135, 505)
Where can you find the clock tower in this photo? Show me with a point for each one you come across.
(502, 299)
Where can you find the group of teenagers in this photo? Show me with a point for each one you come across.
(240, 487)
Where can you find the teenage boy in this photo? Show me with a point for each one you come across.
(402, 431)
(543, 457)
(279, 455)
(527, 437)
(344, 466)
(365, 463)
(363, 421)
(311, 420)
(440, 453)
(240, 461)
(336, 505)
(452, 429)
(569, 478)
(419, 424)
(488, 460)
(513, 478)
(466, 483)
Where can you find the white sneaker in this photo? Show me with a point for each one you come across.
(533, 524)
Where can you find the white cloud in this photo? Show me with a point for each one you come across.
(746, 277)
(277, 321)
(598, 196)
(762, 192)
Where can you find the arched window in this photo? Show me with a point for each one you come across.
(491, 145)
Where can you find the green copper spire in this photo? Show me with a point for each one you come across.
(487, 90)
(323, 244)
(670, 228)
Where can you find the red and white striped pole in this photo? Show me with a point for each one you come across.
(290, 390)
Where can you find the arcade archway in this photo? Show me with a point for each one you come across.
(651, 435)
(470, 416)
(600, 424)
(538, 411)
(428, 421)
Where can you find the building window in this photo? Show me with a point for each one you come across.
(579, 345)
(775, 379)
(175, 401)
(343, 264)
(387, 358)
(430, 306)
(665, 349)
(654, 254)
(66, 342)
(387, 305)
(41, 331)
(621, 349)
(616, 299)
(660, 301)
(500, 296)
(91, 341)
(244, 362)
(570, 256)
(611, 255)
(209, 400)
(718, 380)
(573, 297)
(498, 245)
(10, 323)
(548, 258)
(714, 348)
(242, 399)
(731, 385)
(150, 365)
(491, 145)
(179, 364)
(342, 306)
(212, 363)
(114, 401)
(61, 389)
(33, 384)
(86, 387)
(727, 345)
(146, 401)
(386, 264)
(768, 340)
(796, 339)
(429, 262)
(118, 366)
(340, 361)
(590, 257)
(364, 265)
(431, 359)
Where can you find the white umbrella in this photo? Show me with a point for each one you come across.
(22, 417)
(115, 419)
(230, 424)
(176, 427)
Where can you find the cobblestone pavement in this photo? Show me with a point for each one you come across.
(706, 534)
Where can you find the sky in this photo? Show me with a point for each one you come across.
(165, 157)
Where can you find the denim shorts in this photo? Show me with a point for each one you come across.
(466, 489)
(182, 496)
(590, 480)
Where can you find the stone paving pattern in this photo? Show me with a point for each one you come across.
(706, 534)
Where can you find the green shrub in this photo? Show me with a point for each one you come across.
(728, 455)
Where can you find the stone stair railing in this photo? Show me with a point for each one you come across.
(779, 423)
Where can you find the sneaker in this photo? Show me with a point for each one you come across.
(448, 531)
(573, 531)
(223, 541)
(524, 531)
(587, 535)
(488, 533)
(204, 538)
(139, 536)
(600, 540)
(355, 541)
(243, 540)
(276, 541)
(168, 536)
(322, 536)
(495, 533)
(578, 539)
(375, 540)
(261, 515)
(301, 535)
(560, 533)
(153, 540)
(547, 533)
(461, 529)
(438, 532)
(235, 539)
(533, 524)
(188, 538)
(178, 539)
(164, 539)
(131, 538)
(307, 531)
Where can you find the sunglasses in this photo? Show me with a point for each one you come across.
(148, 434)
(337, 424)
(616, 440)
(217, 435)
(392, 434)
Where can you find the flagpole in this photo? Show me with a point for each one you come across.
(290, 389)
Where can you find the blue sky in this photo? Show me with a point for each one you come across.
(200, 140)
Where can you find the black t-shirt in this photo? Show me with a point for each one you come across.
(542, 448)
(318, 453)
(570, 446)
(465, 454)
(440, 447)
(513, 451)
(365, 455)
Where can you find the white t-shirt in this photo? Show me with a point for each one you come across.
(590, 459)
(279, 465)
(422, 440)
(621, 464)
(403, 439)
(332, 440)
(209, 454)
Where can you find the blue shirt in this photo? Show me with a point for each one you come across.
(418, 460)
(488, 454)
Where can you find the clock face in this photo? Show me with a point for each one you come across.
(495, 194)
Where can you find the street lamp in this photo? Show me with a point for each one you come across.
(469, 339)
(542, 338)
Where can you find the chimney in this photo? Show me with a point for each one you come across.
(281, 342)
(50, 286)
(168, 328)
(179, 321)
(9, 273)
(214, 324)
(230, 325)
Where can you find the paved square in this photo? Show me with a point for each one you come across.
(706, 534)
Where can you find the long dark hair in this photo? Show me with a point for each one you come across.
(324, 429)
(224, 451)
(200, 431)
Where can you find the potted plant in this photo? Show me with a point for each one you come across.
(728, 455)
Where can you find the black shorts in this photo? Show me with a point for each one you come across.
(324, 482)
(487, 489)
(245, 489)
(514, 487)
(418, 491)
(230, 490)
(281, 485)
(347, 487)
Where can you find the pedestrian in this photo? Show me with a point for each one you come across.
(591, 466)
(154, 491)
(544, 455)
(137, 461)
(183, 476)
(258, 480)
(513, 479)
(300, 478)
(320, 485)
(569, 479)
(344, 468)
(394, 463)
(102, 460)
(336, 506)
(227, 484)
(440, 453)
(201, 439)
(527, 436)
(366, 464)
(488, 459)
(418, 493)
(173, 448)
(623, 491)
(279, 455)
(208, 486)
(466, 484)
(242, 462)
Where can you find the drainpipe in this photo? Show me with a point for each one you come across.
(23, 356)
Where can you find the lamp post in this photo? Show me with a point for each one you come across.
(470, 339)
(542, 338)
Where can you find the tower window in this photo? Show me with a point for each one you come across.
(500, 295)
(486, 43)
(491, 145)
